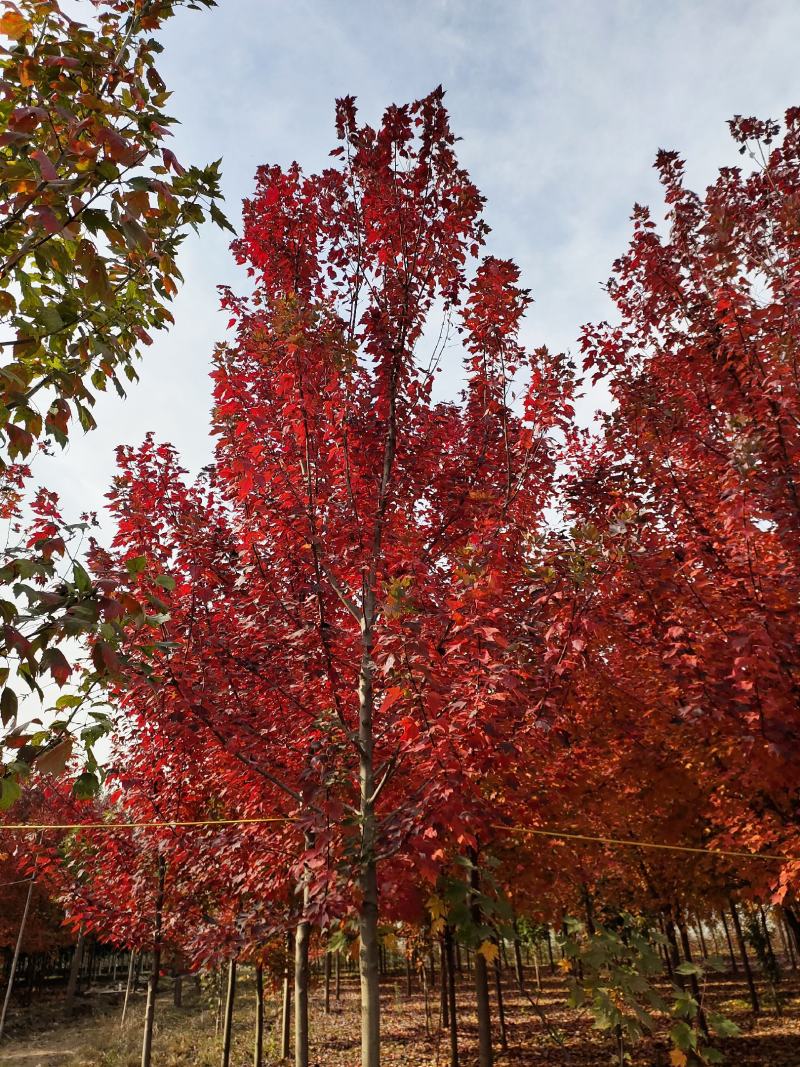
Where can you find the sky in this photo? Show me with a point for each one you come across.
(561, 107)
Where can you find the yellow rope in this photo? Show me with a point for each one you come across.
(262, 820)
(24, 826)
(632, 843)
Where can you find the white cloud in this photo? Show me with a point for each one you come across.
(561, 105)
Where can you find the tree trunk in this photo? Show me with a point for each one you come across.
(669, 928)
(693, 983)
(15, 959)
(286, 1013)
(74, 972)
(451, 995)
(152, 985)
(481, 977)
(127, 989)
(327, 965)
(369, 957)
(301, 939)
(227, 1027)
(550, 951)
(338, 975)
(737, 926)
(258, 1046)
(408, 974)
(734, 965)
(518, 971)
(501, 1011)
(767, 939)
(793, 923)
(444, 1004)
(177, 991)
(701, 937)
(786, 937)
(91, 961)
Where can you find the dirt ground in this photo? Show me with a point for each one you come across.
(188, 1035)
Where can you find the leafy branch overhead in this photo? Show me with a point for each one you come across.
(94, 208)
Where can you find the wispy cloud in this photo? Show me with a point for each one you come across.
(561, 106)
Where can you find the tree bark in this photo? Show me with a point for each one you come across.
(15, 958)
(451, 995)
(301, 939)
(518, 971)
(74, 972)
(152, 985)
(128, 985)
(177, 991)
(369, 956)
(734, 965)
(485, 1056)
(501, 1011)
(286, 1012)
(701, 937)
(737, 926)
(327, 967)
(786, 937)
(793, 923)
(693, 983)
(227, 1026)
(444, 1003)
(338, 975)
(550, 951)
(258, 1044)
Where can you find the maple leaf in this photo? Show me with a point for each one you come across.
(489, 951)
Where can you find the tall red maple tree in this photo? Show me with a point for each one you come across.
(346, 575)
(688, 506)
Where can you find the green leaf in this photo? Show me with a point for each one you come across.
(136, 565)
(8, 706)
(86, 786)
(722, 1026)
(166, 581)
(9, 792)
(688, 968)
(683, 1037)
(81, 579)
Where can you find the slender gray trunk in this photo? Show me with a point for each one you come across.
(286, 1012)
(15, 958)
(369, 957)
(444, 1004)
(301, 939)
(227, 1028)
(152, 985)
(518, 971)
(327, 983)
(485, 1056)
(74, 972)
(751, 985)
(258, 1049)
(451, 995)
(501, 1011)
(128, 985)
(734, 965)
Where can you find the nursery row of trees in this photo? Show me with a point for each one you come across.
(417, 633)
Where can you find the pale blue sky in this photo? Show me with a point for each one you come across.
(561, 106)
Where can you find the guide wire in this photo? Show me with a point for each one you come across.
(568, 835)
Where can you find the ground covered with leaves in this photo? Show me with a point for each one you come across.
(542, 1030)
